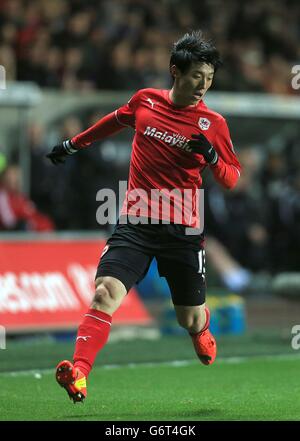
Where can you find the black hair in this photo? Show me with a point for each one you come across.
(192, 48)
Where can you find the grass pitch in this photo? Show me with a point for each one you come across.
(251, 388)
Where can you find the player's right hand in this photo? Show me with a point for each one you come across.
(60, 152)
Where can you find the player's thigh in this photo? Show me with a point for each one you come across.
(122, 267)
(185, 277)
(188, 291)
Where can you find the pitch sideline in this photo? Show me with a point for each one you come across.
(37, 373)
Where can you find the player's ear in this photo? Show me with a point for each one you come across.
(174, 71)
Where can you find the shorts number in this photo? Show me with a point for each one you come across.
(201, 260)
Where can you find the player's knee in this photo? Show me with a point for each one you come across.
(105, 293)
(101, 294)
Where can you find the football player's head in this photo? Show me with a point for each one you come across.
(193, 64)
(193, 48)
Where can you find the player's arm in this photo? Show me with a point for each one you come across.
(219, 155)
(106, 126)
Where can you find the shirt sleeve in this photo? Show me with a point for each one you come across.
(109, 124)
(228, 169)
(126, 114)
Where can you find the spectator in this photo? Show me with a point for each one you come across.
(239, 220)
(17, 212)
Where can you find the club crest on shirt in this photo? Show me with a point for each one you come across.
(204, 123)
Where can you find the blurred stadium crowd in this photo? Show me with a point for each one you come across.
(124, 44)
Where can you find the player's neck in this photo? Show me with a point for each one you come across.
(180, 100)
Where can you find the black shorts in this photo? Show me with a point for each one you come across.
(180, 259)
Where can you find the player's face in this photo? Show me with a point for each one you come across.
(192, 85)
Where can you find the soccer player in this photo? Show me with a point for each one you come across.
(176, 137)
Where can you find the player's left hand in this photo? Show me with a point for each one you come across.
(199, 144)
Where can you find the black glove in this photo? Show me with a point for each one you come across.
(61, 151)
(199, 144)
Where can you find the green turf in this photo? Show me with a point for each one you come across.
(255, 389)
(252, 389)
(46, 352)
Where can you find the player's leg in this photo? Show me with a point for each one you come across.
(92, 335)
(188, 289)
(119, 269)
(195, 319)
(95, 328)
(192, 318)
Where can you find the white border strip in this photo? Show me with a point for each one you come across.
(37, 373)
(97, 318)
(118, 119)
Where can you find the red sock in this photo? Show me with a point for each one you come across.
(91, 337)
